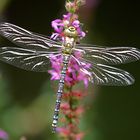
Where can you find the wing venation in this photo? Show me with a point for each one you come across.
(106, 55)
(27, 39)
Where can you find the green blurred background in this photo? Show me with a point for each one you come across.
(27, 98)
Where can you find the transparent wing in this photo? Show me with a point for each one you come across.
(101, 74)
(106, 55)
(107, 75)
(25, 58)
(27, 39)
(34, 51)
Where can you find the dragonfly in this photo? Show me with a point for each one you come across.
(35, 50)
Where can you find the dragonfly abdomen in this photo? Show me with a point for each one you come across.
(60, 91)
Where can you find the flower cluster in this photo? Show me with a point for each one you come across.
(74, 73)
(66, 132)
(68, 20)
(72, 111)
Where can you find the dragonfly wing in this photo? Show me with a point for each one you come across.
(34, 51)
(106, 55)
(101, 74)
(107, 75)
(27, 39)
(25, 58)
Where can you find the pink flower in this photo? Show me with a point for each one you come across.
(65, 106)
(66, 132)
(3, 135)
(60, 25)
(63, 131)
(57, 25)
(76, 23)
(84, 77)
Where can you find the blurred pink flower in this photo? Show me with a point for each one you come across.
(66, 132)
(63, 131)
(79, 136)
(3, 135)
(65, 106)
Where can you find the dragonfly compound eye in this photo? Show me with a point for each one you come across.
(72, 29)
(71, 32)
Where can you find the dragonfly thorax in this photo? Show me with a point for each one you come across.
(67, 49)
(68, 45)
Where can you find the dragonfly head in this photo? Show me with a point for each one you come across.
(71, 32)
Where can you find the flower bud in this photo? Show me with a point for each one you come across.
(71, 7)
